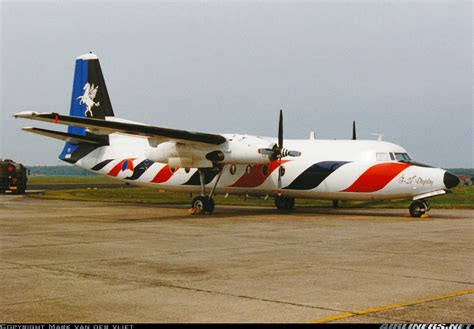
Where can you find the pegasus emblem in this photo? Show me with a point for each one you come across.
(90, 91)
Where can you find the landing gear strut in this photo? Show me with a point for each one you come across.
(419, 207)
(284, 203)
(204, 202)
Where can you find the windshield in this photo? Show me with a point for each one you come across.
(402, 157)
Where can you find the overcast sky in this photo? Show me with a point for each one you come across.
(403, 69)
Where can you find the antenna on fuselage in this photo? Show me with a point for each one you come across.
(354, 136)
(379, 136)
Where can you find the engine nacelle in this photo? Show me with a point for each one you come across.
(180, 155)
(239, 149)
(248, 155)
(244, 149)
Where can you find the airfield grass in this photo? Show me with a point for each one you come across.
(462, 197)
(65, 180)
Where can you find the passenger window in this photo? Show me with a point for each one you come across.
(382, 157)
(248, 169)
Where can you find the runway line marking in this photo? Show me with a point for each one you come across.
(393, 306)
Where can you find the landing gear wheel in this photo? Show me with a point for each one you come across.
(284, 203)
(203, 202)
(418, 208)
(210, 205)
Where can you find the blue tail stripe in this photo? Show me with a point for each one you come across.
(76, 109)
(80, 79)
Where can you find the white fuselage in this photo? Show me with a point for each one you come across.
(327, 169)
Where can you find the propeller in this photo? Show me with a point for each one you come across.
(277, 152)
(354, 136)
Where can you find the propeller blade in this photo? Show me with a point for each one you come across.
(269, 152)
(294, 153)
(280, 131)
(279, 176)
(354, 137)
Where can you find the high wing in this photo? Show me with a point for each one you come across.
(104, 127)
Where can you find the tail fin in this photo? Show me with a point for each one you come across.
(89, 93)
(89, 99)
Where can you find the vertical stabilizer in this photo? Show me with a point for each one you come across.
(89, 99)
(89, 93)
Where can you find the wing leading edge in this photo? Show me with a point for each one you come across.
(108, 127)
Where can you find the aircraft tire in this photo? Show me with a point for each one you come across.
(203, 202)
(284, 203)
(418, 208)
(210, 205)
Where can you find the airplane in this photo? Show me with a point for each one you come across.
(239, 164)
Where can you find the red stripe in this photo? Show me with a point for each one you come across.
(118, 167)
(163, 175)
(377, 177)
(256, 177)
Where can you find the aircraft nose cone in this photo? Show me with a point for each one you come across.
(450, 180)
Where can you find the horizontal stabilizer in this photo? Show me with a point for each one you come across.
(100, 126)
(68, 137)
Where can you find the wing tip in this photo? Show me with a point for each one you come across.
(25, 114)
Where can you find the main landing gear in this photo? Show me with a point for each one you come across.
(419, 208)
(204, 202)
(284, 203)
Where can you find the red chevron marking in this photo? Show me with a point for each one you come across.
(163, 175)
(256, 177)
(377, 177)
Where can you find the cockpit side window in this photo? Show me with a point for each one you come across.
(402, 157)
(392, 156)
(382, 157)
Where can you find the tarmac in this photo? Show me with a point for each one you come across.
(68, 261)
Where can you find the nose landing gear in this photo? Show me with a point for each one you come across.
(419, 208)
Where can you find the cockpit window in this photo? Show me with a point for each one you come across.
(382, 156)
(403, 157)
(392, 156)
